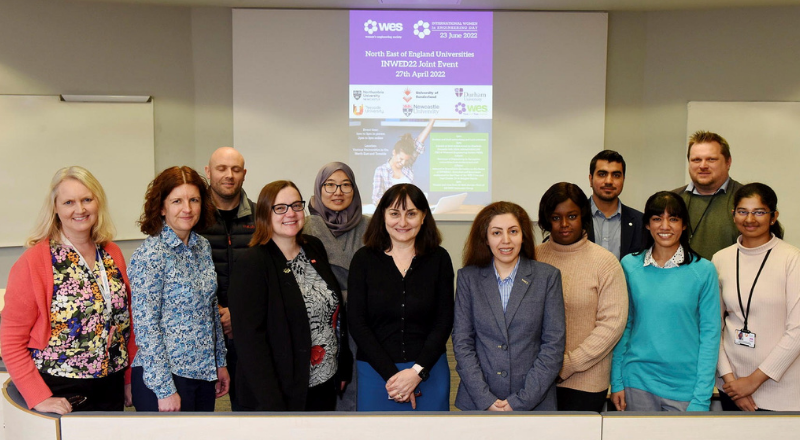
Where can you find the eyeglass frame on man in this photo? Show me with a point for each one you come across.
(283, 208)
(337, 187)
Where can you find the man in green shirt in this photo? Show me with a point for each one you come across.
(709, 197)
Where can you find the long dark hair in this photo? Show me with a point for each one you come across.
(476, 250)
(377, 237)
(767, 196)
(672, 204)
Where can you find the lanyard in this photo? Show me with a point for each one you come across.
(102, 283)
(752, 288)
(697, 225)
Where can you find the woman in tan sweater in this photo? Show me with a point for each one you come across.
(595, 297)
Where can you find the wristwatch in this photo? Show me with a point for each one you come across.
(423, 373)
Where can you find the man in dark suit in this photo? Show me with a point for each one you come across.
(617, 227)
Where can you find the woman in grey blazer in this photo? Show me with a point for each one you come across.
(509, 330)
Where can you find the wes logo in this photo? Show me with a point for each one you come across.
(477, 108)
(372, 26)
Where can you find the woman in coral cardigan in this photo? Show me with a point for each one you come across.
(66, 336)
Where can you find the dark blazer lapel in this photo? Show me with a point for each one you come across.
(521, 285)
(626, 232)
(290, 291)
(492, 295)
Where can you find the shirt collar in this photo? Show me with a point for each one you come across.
(172, 240)
(510, 277)
(673, 262)
(721, 190)
(596, 211)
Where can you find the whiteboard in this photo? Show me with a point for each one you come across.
(40, 134)
(765, 147)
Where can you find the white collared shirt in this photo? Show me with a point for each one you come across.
(672, 263)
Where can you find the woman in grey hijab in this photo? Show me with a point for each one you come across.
(336, 220)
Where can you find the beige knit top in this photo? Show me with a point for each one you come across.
(596, 305)
(774, 318)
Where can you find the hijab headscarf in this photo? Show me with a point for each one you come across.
(338, 222)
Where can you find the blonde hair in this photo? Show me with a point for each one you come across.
(48, 225)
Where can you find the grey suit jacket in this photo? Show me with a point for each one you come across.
(516, 355)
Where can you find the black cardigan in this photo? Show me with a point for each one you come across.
(395, 319)
(270, 324)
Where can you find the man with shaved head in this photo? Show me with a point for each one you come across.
(229, 235)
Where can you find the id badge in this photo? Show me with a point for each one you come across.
(748, 339)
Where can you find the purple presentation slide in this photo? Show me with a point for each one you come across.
(420, 105)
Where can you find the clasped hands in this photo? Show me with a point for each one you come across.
(401, 386)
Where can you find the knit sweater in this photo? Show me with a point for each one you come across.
(671, 342)
(715, 230)
(340, 249)
(596, 305)
(774, 318)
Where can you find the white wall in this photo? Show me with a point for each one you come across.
(657, 63)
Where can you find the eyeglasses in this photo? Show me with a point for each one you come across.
(283, 208)
(331, 188)
(756, 213)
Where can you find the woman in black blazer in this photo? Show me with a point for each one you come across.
(287, 313)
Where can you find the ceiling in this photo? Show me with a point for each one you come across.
(538, 5)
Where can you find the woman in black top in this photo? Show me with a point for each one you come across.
(400, 307)
(287, 313)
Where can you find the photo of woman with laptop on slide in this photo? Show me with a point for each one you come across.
(398, 168)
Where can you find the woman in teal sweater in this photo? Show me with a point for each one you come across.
(667, 357)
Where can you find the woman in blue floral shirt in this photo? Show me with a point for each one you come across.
(180, 365)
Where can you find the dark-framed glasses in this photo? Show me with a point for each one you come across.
(331, 188)
(283, 208)
(756, 213)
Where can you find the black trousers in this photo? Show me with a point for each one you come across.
(196, 394)
(102, 394)
(575, 400)
(322, 397)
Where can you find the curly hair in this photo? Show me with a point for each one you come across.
(151, 221)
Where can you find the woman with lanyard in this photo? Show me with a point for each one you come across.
(337, 221)
(66, 322)
(760, 283)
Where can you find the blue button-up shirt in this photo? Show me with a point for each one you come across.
(505, 284)
(607, 230)
(175, 317)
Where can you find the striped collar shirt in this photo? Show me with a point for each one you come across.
(505, 284)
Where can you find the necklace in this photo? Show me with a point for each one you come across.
(400, 262)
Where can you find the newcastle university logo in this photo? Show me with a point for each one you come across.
(459, 91)
(407, 110)
(357, 94)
